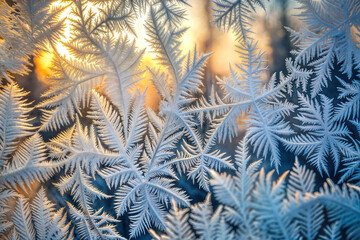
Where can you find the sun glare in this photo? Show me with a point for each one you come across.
(206, 37)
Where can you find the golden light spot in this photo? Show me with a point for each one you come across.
(224, 53)
(152, 98)
(44, 59)
(43, 64)
(208, 38)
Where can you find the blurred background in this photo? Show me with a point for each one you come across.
(268, 32)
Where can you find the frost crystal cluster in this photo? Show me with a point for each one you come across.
(91, 160)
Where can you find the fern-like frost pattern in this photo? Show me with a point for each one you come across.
(92, 160)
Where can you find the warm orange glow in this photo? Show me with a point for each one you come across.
(152, 98)
(209, 39)
(200, 32)
(223, 46)
(43, 65)
(43, 59)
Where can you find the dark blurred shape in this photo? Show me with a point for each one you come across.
(10, 2)
(280, 38)
(30, 83)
